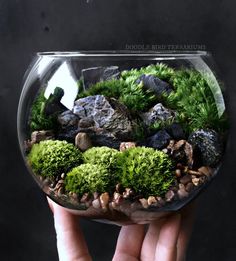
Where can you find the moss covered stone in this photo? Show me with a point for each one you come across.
(146, 170)
(52, 157)
(87, 178)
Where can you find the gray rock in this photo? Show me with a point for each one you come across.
(208, 144)
(155, 84)
(157, 113)
(96, 74)
(67, 118)
(159, 140)
(107, 114)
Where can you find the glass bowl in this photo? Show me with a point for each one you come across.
(122, 137)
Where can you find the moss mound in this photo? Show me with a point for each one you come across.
(87, 178)
(146, 170)
(53, 157)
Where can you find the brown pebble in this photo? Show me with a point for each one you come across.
(118, 187)
(85, 198)
(151, 200)
(193, 172)
(189, 187)
(60, 191)
(117, 197)
(185, 179)
(182, 193)
(128, 193)
(178, 173)
(206, 171)
(63, 175)
(37, 136)
(82, 141)
(126, 145)
(73, 196)
(181, 186)
(95, 195)
(104, 199)
(144, 202)
(161, 201)
(96, 203)
(170, 195)
(196, 181)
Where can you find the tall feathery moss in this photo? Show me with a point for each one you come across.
(88, 178)
(38, 119)
(194, 101)
(50, 158)
(146, 170)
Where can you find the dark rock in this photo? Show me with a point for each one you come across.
(159, 141)
(53, 104)
(96, 74)
(68, 134)
(155, 84)
(157, 113)
(67, 118)
(86, 123)
(176, 131)
(208, 144)
(104, 138)
(108, 115)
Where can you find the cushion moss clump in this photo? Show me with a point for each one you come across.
(146, 170)
(105, 156)
(53, 157)
(87, 178)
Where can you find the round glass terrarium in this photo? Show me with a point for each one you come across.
(122, 137)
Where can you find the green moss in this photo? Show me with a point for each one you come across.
(87, 178)
(194, 102)
(146, 170)
(105, 157)
(160, 70)
(52, 157)
(38, 119)
(102, 155)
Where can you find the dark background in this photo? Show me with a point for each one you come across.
(27, 26)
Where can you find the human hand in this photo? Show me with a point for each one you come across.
(163, 240)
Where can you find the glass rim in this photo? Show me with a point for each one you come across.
(124, 53)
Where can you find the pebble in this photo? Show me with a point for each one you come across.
(104, 199)
(63, 175)
(193, 172)
(96, 203)
(118, 187)
(178, 173)
(206, 171)
(189, 187)
(37, 136)
(144, 202)
(126, 145)
(60, 191)
(182, 193)
(161, 201)
(196, 181)
(95, 195)
(185, 179)
(170, 195)
(82, 141)
(128, 193)
(74, 196)
(85, 198)
(117, 198)
(151, 200)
